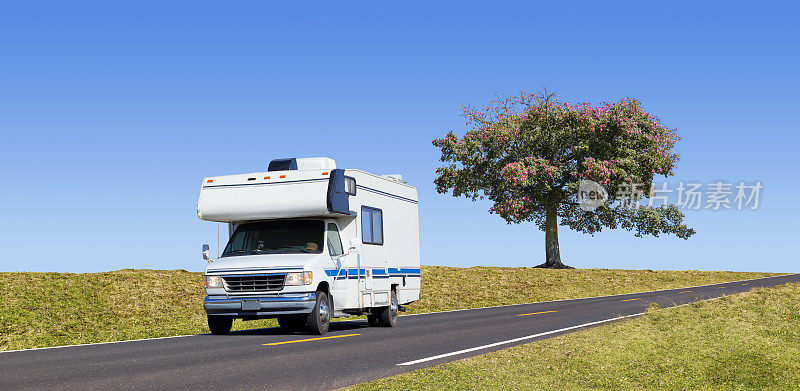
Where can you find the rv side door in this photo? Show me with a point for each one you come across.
(341, 263)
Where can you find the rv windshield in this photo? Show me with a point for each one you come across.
(276, 237)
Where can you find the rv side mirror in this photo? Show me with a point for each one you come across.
(207, 253)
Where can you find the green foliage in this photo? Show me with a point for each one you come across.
(528, 154)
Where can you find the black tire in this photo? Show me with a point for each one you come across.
(373, 320)
(292, 322)
(319, 319)
(388, 315)
(220, 325)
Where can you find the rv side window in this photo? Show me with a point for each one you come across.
(371, 225)
(334, 240)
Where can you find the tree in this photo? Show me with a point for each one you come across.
(529, 153)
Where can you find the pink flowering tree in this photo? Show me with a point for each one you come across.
(529, 153)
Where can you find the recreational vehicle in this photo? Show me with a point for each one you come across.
(309, 242)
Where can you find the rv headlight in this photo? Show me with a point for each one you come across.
(303, 278)
(213, 282)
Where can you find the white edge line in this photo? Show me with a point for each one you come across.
(422, 313)
(515, 340)
(99, 343)
(543, 334)
(598, 297)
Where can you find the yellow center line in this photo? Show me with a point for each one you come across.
(745, 283)
(310, 339)
(684, 292)
(721, 287)
(536, 313)
(630, 299)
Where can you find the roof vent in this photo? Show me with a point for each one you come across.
(309, 163)
(316, 163)
(282, 165)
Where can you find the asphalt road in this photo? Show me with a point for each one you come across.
(350, 353)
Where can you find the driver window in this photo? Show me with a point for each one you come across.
(334, 241)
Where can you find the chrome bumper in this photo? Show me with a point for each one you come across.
(273, 305)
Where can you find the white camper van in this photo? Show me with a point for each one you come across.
(309, 242)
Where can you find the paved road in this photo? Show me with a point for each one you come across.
(351, 353)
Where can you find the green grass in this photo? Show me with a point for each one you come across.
(747, 341)
(53, 309)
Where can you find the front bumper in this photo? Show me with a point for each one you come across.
(273, 305)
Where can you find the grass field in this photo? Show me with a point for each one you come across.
(52, 309)
(747, 341)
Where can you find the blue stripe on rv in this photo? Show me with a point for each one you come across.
(376, 273)
(275, 269)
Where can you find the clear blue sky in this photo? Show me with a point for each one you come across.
(111, 114)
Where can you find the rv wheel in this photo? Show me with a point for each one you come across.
(388, 316)
(320, 318)
(220, 325)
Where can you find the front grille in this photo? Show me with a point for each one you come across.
(254, 283)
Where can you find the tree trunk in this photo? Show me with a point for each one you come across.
(551, 250)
